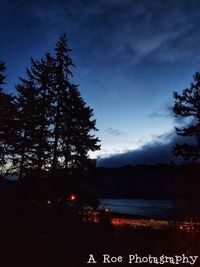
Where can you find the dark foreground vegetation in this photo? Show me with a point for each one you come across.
(42, 225)
(51, 237)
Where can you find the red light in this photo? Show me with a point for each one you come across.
(72, 197)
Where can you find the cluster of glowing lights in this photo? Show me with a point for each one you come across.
(140, 223)
(94, 217)
(90, 216)
(188, 226)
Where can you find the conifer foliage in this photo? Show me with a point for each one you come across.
(54, 126)
(8, 128)
(72, 121)
(187, 106)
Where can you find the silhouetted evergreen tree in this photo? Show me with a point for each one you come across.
(187, 105)
(72, 121)
(2, 77)
(81, 140)
(34, 116)
(8, 127)
(27, 107)
(41, 74)
(55, 123)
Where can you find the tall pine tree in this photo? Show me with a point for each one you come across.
(55, 123)
(34, 116)
(72, 118)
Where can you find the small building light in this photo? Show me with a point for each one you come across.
(72, 197)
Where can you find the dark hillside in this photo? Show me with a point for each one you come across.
(145, 181)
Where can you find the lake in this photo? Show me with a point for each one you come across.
(143, 207)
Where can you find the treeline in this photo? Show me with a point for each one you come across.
(160, 181)
(46, 126)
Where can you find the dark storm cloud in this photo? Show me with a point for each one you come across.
(155, 152)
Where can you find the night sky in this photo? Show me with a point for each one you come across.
(130, 56)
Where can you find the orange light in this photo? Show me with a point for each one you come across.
(72, 197)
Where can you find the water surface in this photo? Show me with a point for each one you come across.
(143, 207)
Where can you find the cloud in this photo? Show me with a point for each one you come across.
(113, 131)
(162, 31)
(157, 114)
(137, 30)
(123, 33)
(164, 110)
(155, 152)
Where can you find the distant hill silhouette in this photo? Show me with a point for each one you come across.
(149, 181)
